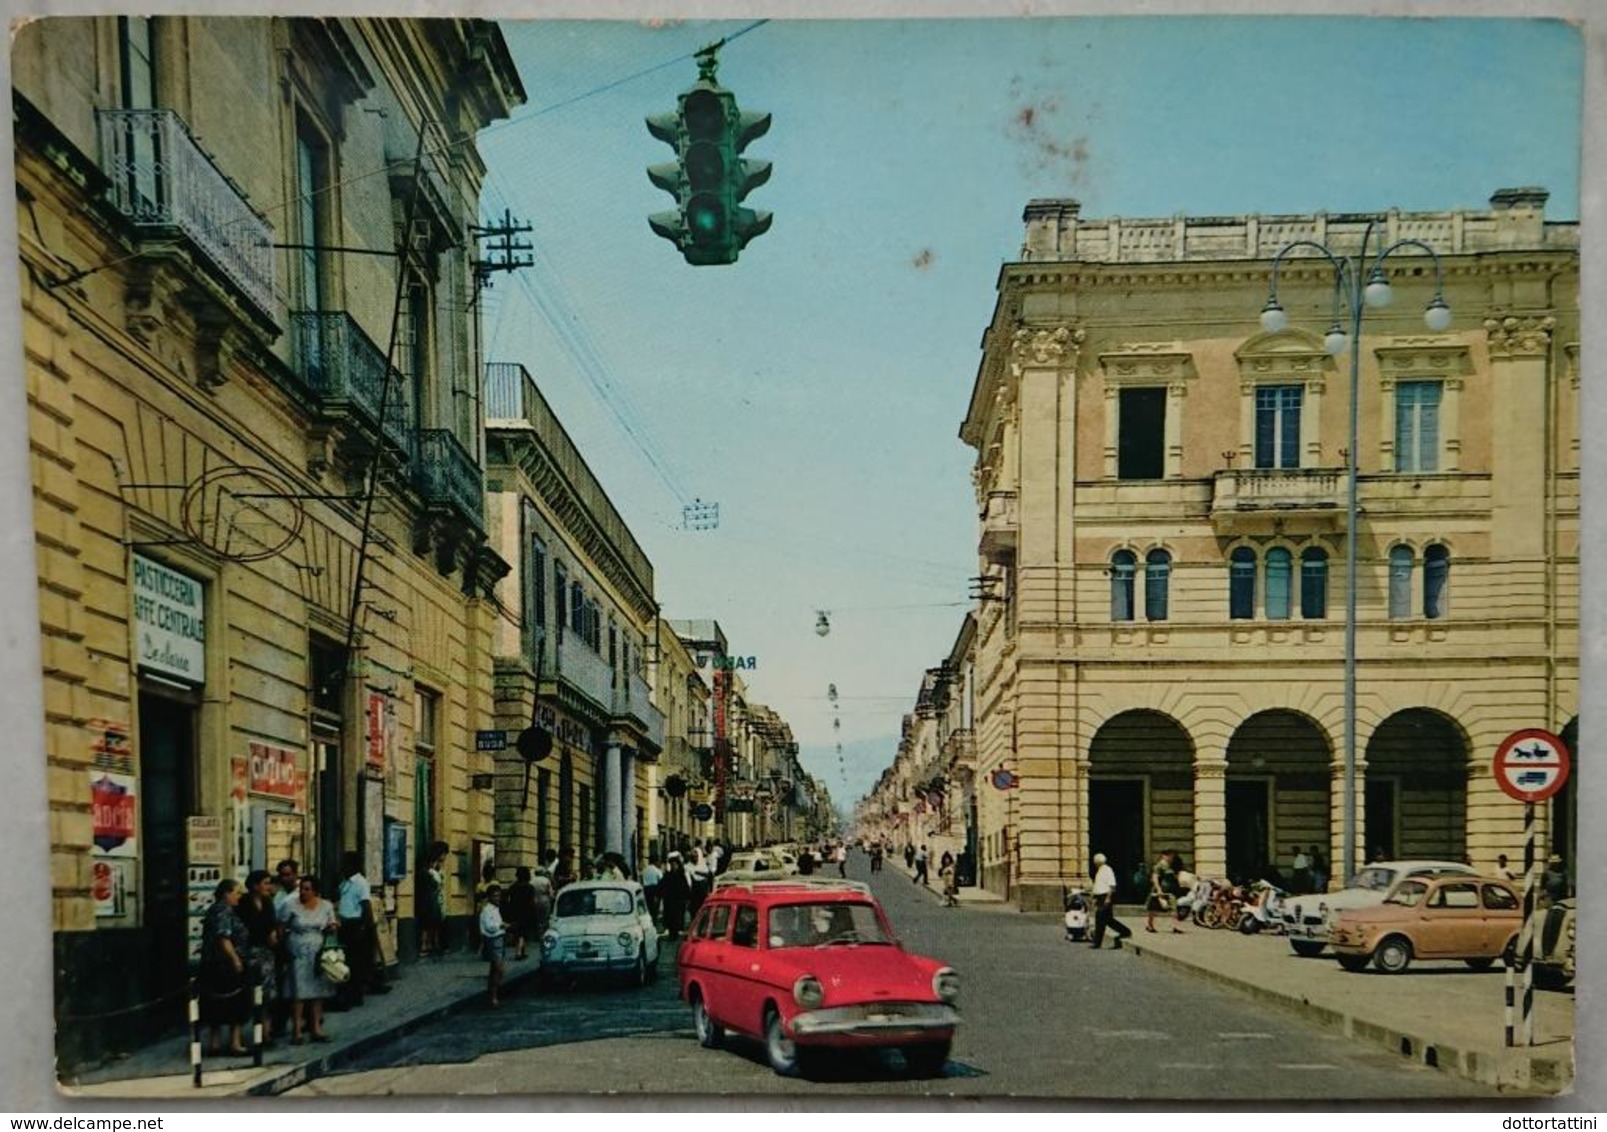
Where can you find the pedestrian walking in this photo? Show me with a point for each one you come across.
(355, 907)
(520, 918)
(920, 868)
(909, 855)
(1105, 905)
(876, 858)
(288, 872)
(542, 888)
(225, 980)
(951, 888)
(1161, 880)
(307, 922)
(701, 880)
(675, 891)
(565, 873)
(840, 855)
(493, 941)
(652, 877)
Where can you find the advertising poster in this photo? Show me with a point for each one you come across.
(109, 885)
(111, 801)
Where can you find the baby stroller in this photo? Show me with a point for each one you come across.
(1076, 916)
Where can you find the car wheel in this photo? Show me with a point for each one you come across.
(927, 1059)
(1484, 963)
(639, 971)
(780, 1050)
(1249, 925)
(1307, 948)
(1393, 956)
(709, 1032)
(1353, 962)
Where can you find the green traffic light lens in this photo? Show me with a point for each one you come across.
(705, 217)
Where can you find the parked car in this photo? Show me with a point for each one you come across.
(1445, 916)
(600, 927)
(1308, 920)
(1554, 950)
(810, 965)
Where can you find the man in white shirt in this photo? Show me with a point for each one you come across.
(1105, 905)
(493, 941)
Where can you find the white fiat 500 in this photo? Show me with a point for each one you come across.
(600, 927)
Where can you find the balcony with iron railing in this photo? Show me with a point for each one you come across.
(1000, 524)
(579, 666)
(348, 375)
(1242, 498)
(167, 186)
(448, 476)
(631, 700)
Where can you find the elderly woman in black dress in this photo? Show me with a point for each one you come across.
(262, 926)
(225, 985)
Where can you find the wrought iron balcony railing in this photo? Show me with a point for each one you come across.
(162, 180)
(343, 368)
(448, 474)
(631, 698)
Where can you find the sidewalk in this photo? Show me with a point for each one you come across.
(420, 993)
(1440, 1013)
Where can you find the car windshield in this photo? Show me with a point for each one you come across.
(1410, 893)
(1375, 879)
(825, 925)
(594, 902)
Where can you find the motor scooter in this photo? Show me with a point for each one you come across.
(1263, 911)
(1076, 916)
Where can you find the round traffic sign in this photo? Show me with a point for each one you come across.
(703, 811)
(1531, 765)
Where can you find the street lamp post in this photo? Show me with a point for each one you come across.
(1355, 295)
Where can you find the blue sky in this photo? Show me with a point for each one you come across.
(815, 389)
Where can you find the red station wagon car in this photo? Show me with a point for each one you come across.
(810, 966)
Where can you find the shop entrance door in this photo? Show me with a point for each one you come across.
(166, 799)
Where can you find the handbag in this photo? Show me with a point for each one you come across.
(332, 962)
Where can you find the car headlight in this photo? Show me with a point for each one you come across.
(549, 941)
(626, 939)
(946, 984)
(807, 992)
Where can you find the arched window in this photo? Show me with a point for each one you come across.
(1400, 581)
(1123, 569)
(1241, 583)
(1436, 580)
(1313, 582)
(1280, 571)
(1157, 576)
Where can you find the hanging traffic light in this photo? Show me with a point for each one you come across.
(709, 177)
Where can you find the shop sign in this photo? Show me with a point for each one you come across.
(169, 622)
(109, 749)
(273, 771)
(379, 721)
(109, 886)
(111, 803)
(202, 885)
(203, 841)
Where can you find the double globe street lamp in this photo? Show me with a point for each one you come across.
(1351, 297)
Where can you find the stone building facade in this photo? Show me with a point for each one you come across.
(682, 691)
(572, 645)
(260, 537)
(1161, 490)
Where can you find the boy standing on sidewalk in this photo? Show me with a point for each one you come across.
(493, 940)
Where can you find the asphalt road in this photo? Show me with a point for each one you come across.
(1041, 1017)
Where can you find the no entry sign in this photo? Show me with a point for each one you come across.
(1531, 765)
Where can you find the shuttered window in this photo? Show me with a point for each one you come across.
(1417, 426)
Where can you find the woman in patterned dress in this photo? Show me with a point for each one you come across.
(306, 921)
(262, 926)
(225, 997)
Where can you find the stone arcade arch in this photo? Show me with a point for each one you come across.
(1140, 792)
(1277, 793)
(1417, 768)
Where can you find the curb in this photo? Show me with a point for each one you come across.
(1515, 1071)
(294, 1076)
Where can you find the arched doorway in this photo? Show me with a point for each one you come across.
(1140, 793)
(1417, 764)
(1277, 795)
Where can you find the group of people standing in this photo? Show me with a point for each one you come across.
(271, 932)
